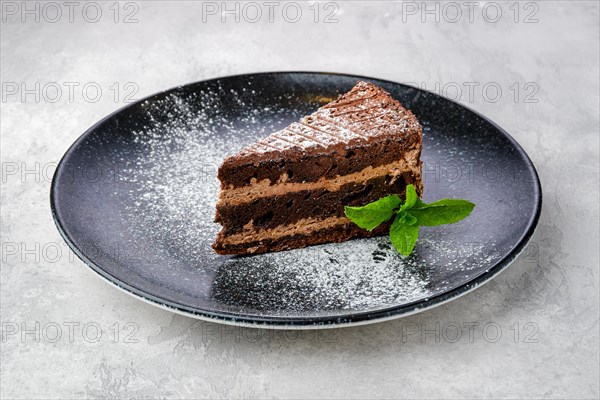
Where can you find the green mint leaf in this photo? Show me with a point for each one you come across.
(402, 235)
(441, 212)
(411, 198)
(410, 214)
(370, 216)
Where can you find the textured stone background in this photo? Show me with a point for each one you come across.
(549, 296)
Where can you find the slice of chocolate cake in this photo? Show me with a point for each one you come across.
(289, 189)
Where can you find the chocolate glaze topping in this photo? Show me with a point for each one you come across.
(364, 115)
(370, 109)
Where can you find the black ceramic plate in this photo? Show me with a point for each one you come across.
(134, 197)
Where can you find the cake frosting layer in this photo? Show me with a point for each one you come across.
(304, 226)
(329, 231)
(409, 163)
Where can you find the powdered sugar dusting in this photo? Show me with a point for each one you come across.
(355, 275)
(175, 175)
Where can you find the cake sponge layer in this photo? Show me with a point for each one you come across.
(340, 231)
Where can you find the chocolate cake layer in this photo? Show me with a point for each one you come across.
(268, 212)
(364, 127)
(335, 234)
(312, 167)
(409, 163)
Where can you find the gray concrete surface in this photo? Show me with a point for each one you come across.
(545, 306)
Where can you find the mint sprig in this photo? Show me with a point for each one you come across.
(410, 214)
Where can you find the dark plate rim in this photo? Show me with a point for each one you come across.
(297, 322)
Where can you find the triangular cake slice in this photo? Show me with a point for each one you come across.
(289, 190)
